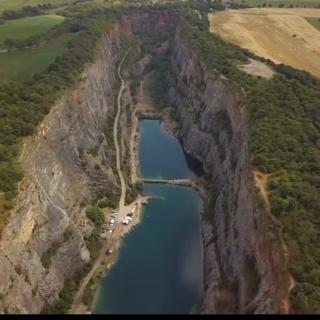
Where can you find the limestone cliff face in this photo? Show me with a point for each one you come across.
(244, 267)
(59, 176)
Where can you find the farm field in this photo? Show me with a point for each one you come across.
(21, 29)
(281, 35)
(276, 3)
(21, 65)
(18, 4)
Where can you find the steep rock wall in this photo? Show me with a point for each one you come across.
(59, 176)
(244, 268)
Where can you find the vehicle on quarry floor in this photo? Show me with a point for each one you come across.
(109, 251)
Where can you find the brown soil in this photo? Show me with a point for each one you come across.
(281, 35)
(261, 180)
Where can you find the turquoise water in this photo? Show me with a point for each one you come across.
(161, 155)
(159, 270)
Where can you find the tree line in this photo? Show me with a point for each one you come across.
(26, 11)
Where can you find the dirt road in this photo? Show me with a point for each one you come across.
(115, 136)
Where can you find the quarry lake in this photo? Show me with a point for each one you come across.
(159, 269)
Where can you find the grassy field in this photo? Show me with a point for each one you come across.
(18, 4)
(26, 27)
(276, 3)
(21, 65)
(314, 21)
(282, 35)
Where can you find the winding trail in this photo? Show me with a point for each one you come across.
(261, 180)
(115, 136)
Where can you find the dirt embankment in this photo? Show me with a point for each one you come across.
(261, 180)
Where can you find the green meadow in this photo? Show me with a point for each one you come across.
(24, 28)
(314, 21)
(21, 65)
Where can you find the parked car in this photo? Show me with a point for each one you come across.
(109, 251)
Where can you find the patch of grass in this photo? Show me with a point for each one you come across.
(21, 65)
(24, 28)
(314, 21)
(93, 241)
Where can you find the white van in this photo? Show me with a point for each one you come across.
(125, 221)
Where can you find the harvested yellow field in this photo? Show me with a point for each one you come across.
(282, 35)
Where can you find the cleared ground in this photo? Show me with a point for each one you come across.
(282, 35)
(24, 28)
(258, 68)
(21, 65)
